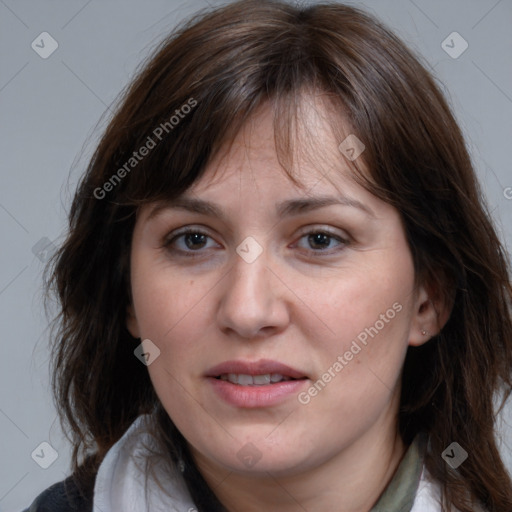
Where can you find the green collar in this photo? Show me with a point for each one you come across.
(400, 493)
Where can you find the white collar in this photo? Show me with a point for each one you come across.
(120, 481)
(428, 494)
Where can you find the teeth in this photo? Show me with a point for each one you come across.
(260, 380)
(245, 380)
(254, 380)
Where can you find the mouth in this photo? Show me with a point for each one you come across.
(265, 379)
(259, 384)
(255, 373)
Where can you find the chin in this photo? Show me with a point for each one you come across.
(258, 459)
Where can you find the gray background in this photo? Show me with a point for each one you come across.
(50, 107)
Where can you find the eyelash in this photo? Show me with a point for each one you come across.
(171, 239)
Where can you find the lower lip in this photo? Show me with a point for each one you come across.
(256, 396)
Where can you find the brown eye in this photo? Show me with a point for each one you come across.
(323, 241)
(194, 240)
(319, 241)
(188, 242)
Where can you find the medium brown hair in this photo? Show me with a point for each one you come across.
(231, 62)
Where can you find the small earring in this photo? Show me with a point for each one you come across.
(424, 332)
(181, 466)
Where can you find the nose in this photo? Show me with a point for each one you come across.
(253, 302)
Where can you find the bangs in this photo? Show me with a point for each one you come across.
(168, 169)
(167, 136)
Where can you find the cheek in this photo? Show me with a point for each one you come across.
(171, 312)
(358, 299)
(165, 301)
(366, 315)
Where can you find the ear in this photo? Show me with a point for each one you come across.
(131, 322)
(431, 312)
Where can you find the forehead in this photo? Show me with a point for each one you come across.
(251, 169)
(302, 142)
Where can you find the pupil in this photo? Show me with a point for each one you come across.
(196, 238)
(319, 239)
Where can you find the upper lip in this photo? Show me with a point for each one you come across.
(261, 367)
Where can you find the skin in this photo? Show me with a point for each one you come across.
(301, 302)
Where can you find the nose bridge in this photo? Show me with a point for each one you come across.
(250, 266)
(249, 301)
(248, 280)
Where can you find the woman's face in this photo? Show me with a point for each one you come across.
(274, 281)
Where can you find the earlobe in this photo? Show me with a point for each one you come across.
(131, 322)
(430, 315)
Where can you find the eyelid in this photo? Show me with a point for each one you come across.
(328, 230)
(319, 228)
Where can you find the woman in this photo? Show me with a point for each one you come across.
(281, 289)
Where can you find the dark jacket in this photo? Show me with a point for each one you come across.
(63, 497)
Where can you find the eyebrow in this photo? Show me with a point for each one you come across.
(284, 209)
